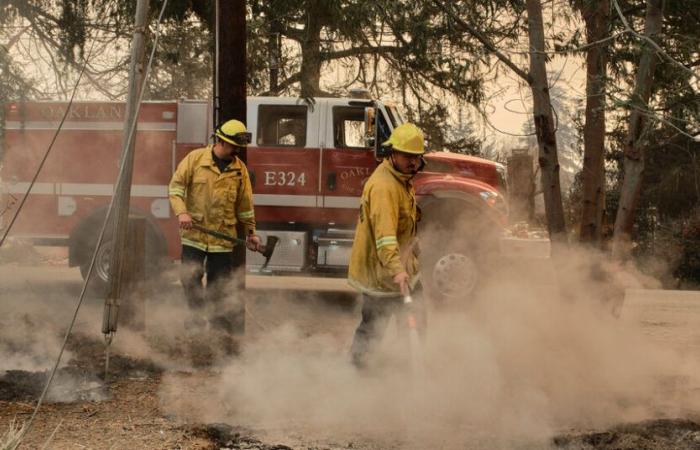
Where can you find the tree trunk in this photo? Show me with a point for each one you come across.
(635, 141)
(596, 15)
(311, 50)
(232, 78)
(544, 127)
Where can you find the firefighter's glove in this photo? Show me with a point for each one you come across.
(185, 221)
(253, 243)
(401, 279)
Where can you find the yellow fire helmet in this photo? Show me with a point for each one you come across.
(407, 138)
(233, 132)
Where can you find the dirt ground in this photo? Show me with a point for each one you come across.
(157, 399)
(123, 412)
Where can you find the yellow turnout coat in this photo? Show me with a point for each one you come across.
(215, 200)
(384, 237)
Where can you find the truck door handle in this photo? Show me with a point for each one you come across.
(331, 181)
(251, 174)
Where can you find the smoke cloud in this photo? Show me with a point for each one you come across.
(534, 353)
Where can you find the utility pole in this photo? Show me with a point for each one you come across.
(122, 193)
(231, 58)
(230, 103)
(231, 74)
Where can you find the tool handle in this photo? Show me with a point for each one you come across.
(220, 235)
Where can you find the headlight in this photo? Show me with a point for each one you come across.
(495, 201)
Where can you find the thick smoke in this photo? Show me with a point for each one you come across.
(534, 352)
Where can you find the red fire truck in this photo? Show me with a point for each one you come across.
(308, 161)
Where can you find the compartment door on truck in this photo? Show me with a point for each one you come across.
(347, 162)
(284, 161)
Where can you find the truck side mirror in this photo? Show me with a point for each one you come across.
(370, 127)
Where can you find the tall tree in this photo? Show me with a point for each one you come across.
(636, 135)
(597, 18)
(536, 78)
(544, 125)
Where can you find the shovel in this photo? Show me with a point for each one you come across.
(267, 250)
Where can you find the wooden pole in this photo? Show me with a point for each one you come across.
(133, 276)
(232, 77)
(120, 214)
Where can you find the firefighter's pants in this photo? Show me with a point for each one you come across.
(376, 313)
(212, 300)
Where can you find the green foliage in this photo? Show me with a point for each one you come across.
(184, 66)
(404, 49)
(440, 135)
(73, 27)
(669, 199)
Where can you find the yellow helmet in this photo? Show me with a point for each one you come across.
(407, 138)
(233, 132)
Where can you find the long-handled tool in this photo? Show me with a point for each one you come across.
(414, 339)
(267, 250)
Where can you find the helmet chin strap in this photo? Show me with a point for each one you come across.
(393, 163)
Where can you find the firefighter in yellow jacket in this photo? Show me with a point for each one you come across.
(211, 188)
(383, 264)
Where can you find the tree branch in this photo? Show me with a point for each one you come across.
(484, 41)
(357, 51)
(284, 84)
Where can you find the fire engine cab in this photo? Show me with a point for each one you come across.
(308, 161)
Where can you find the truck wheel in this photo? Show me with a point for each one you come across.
(456, 252)
(83, 244)
(99, 283)
(450, 275)
(454, 274)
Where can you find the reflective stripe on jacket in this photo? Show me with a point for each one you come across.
(215, 200)
(384, 237)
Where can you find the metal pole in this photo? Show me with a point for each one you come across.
(122, 192)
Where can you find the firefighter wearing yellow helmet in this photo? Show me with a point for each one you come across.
(211, 188)
(234, 133)
(383, 264)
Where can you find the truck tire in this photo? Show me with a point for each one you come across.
(82, 245)
(458, 245)
(99, 282)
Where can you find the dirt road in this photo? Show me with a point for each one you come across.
(293, 387)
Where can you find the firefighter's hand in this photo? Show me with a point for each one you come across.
(254, 243)
(185, 221)
(402, 280)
